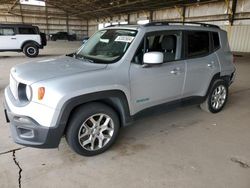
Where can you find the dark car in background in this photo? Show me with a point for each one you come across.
(85, 39)
(62, 36)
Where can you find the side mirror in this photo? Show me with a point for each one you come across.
(153, 58)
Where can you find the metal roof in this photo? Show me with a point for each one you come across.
(88, 9)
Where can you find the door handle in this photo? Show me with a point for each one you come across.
(13, 38)
(175, 71)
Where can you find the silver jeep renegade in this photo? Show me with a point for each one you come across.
(118, 75)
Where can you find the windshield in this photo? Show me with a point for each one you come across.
(106, 46)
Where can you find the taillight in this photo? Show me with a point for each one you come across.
(41, 93)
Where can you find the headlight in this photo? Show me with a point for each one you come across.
(28, 92)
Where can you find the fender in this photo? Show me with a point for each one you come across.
(29, 41)
(114, 98)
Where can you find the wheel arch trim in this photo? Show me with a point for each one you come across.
(113, 98)
(217, 76)
(29, 41)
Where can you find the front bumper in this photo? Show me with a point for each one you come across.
(28, 132)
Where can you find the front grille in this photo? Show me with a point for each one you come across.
(14, 87)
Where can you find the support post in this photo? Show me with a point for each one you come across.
(151, 15)
(47, 21)
(67, 22)
(183, 14)
(128, 18)
(21, 12)
(88, 27)
(232, 15)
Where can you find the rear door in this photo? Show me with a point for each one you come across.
(202, 62)
(8, 38)
(27, 34)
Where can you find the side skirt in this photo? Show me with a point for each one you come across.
(167, 107)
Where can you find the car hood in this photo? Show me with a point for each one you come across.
(52, 68)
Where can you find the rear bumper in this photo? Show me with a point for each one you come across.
(28, 132)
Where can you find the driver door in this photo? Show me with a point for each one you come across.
(157, 84)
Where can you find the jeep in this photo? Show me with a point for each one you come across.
(119, 74)
(21, 38)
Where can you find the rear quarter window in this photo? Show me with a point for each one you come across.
(27, 31)
(216, 40)
(197, 43)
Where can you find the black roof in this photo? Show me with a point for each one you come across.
(17, 25)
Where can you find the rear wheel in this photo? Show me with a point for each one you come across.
(53, 38)
(216, 98)
(31, 50)
(92, 129)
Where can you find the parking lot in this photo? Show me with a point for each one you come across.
(185, 147)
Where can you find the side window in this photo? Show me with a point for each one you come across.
(27, 30)
(216, 41)
(197, 43)
(168, 44)
(6, 31)
(165, 42)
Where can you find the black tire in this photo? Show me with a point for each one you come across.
(81, 117)
(53, 38)
(208, 104)
(31, 50)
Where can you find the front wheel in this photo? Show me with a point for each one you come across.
(92, 129)
(216, 98)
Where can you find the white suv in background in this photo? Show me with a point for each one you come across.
(21, 38)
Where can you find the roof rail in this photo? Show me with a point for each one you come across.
(176, 22)
(119, 25)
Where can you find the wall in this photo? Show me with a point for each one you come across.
(49, 19)
(213, 13)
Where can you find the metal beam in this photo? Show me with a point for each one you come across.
(13, 6)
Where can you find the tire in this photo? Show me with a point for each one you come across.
(216, 98)
(87, 134)
(53, 38)
(31, 50)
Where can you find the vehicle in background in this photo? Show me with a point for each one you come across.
(85, 39)
(21, 38)
(62, 36)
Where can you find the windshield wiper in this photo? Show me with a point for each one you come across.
(82, 57)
